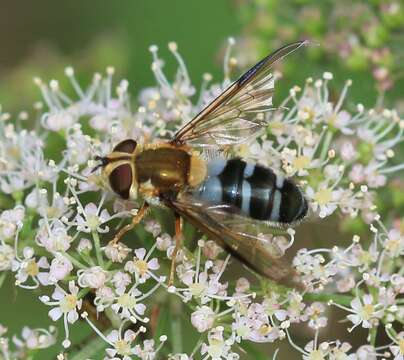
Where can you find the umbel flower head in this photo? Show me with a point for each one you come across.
(55, 235)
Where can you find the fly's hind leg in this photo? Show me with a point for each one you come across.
(178, 243)
(135, 220)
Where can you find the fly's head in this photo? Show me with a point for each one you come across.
(118, 168)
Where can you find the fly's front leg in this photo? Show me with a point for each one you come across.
(178, 242)
(135, 220)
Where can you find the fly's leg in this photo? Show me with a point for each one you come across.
(135, 220)
(178, 242)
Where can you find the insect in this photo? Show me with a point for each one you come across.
(224, 198)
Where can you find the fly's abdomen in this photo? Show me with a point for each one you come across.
(253, 190)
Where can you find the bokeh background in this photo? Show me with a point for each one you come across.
(360, 40)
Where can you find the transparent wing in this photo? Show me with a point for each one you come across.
(237, 235)
(238, 113)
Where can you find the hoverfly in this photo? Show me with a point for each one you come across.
(222, 197)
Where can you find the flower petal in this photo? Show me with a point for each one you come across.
(55, 314)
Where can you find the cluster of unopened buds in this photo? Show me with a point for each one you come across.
(55, 232)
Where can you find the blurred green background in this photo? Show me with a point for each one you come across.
(40, 38)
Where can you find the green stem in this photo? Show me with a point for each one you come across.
(74, 261)
(324, 297)
(197, 346)
(372, 335)
(326, 145)
(87, 259)
(97, 246)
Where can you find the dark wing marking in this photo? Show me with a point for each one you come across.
(259, 255)
(237, 113)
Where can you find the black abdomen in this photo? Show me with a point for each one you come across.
(253, 190)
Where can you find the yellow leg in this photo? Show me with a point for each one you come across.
(178, 242)
(136, 220)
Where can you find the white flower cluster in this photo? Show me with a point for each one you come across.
(339, 157)
(55, 232)
(31, 341)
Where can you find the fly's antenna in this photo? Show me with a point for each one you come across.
(104, 162)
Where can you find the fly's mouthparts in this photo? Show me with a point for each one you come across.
(104, 162)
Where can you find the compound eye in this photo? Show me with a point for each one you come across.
(120, 180)
(126, 146)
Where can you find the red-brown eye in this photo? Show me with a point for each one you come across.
(126, 146)
(121, 180)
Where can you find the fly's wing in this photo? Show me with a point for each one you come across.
(232, 233)
(238, 113)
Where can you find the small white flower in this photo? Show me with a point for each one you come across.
(394, 243)
(346, 283)
(163, 242)
(58, 120)
(29, 267)
(397, 349)
(340, 352)
(66, 305)
(35, 338)
(366, 352)
(211, 250)
(121, 280)
(104, 297)
(153, 227)
(126, 304)
(94, 277)
(217, 347)
(122, 345)
(141, 266)
(148, 351)
(202, 318)
(316, 354)
(60, 267)
(91, 219)
(314, 312)
(117, 252)
(9, 221)
(53, 237)
(37, 201)
(84, 245)
(324, 199)
(365, 313)
(348, 151)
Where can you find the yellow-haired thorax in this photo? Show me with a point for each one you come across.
(197, 167)
(197, 170)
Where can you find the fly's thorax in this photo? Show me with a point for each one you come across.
(162, 168)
